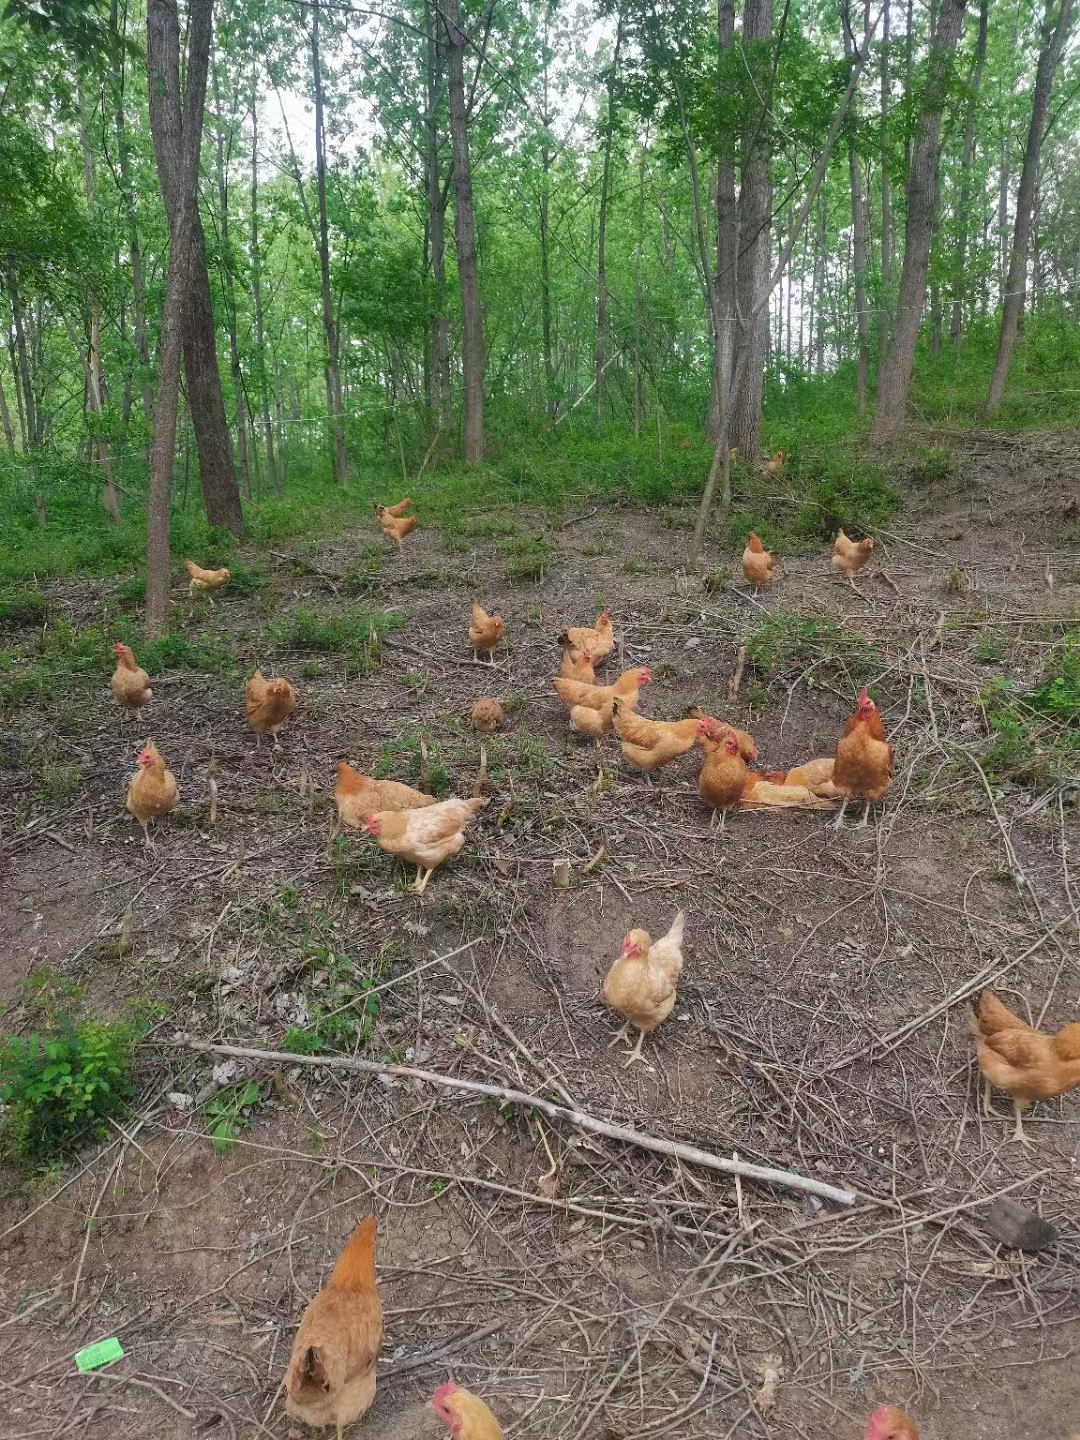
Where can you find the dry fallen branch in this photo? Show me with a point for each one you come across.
(578, 1118)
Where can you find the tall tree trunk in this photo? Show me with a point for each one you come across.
(127, 195)
(922, 205)
(235, 373)
(1052, 40)
(472, 348)
(95, 384)
(859, 262)
(545, 282)
(436, 207)
(334, 397)
(221, 497)
(9, 433)
(637, 287)
(178, 162)
(601, 251)
(886, 198)
(24, 434)
(32, 420)
(727, 232)
(256, 283)
(978, 66)
(755, 204)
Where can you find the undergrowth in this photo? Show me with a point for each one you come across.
(1034, 733)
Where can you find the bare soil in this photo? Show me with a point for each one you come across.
(586, 1289)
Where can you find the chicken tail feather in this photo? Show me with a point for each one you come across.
(355, 1270)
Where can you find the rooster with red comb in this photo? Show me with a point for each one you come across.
(864, 760)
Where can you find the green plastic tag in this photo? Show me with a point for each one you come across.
(94, 1356)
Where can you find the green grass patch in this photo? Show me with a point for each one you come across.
(1035, 733)
(402, 760)
(355, 632)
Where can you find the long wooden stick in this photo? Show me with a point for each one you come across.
(578, 1118)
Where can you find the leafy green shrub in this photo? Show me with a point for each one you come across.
(782, 638)
(229, 1112)
(246, 579)
(60, 1088)
(1035, 736)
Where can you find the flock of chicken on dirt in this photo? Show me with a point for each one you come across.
(331, 1375)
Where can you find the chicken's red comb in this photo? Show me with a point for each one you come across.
(864, 698)
(444, 1392)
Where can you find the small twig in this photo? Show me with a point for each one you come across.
(736, 679)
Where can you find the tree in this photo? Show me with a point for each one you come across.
(923, 190)
(334, 396)
(472, 349)
(178, 162)
(206, 403)
(978, 65)
(1052, 38)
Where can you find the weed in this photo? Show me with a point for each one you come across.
(360, 578)
(1035, 736)
(312, 670)
(416, 682)
(930, 466)
(59, 783)
(342, 1009)
(956, 582)
(402, 760)
(782, 638)
(991, 646)
(229, 1112)
(718, 580)
(529, 557)
(21, 609)
(633, 565)
(130, 593)
(354, 632)
(61, 1087)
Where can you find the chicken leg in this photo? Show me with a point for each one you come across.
(635, 1054)
(865, 816)
(838, 823)
(422, 878)
(623, 1037)
(1018, 1137)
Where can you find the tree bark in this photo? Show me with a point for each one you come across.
(637, 287)
(230, 291)
(179, 174)
(436, 206)
(922, 204)
(127, 196)
(95, 384)
(9, 434)
(545, 284)
(859, 262)
(886, 201)
(472, 348)
(755, 204)
(32, 420)
(727, 233)
(978, 66)
(1052, 43)
(256, 291)
(601, 256)
(334, 396)
(221, 497)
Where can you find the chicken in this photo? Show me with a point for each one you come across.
(487, 715)
(723, 774)
(777, 463)
(1025, 1062)
(594, 723)
(770, 790)
(816, 775)
(864, 760)
(393, 525)
(153, 789)
(268, 705)
(129, 683)
(649, 744)
(465, 1413)
(757, 563)
(641, 984)
(358, 796)
(330, 1379)
(485, 632)
(205, 582)
(424, 838)
(598, 639)
(399, 509)
(719, 728)
(849, 556)
(595, 697)
(888, 1423)
(578, 667)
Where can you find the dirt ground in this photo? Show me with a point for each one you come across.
(586, 1288)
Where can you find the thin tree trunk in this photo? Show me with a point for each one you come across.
(601, 254)
(179, 173)
(240, 417)
(859, 250)
(755, 204)
(256, 281)
(922, 205)
(9, 434)
(637, 287)
(727, 232)
(127, 195)
(334, 397)
(545, 284)
(886, 205)
(24, 439)
(472, 349)
(436, 206)
(95, 385)
(1052, 43)
(32, 419)
(978, 66)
